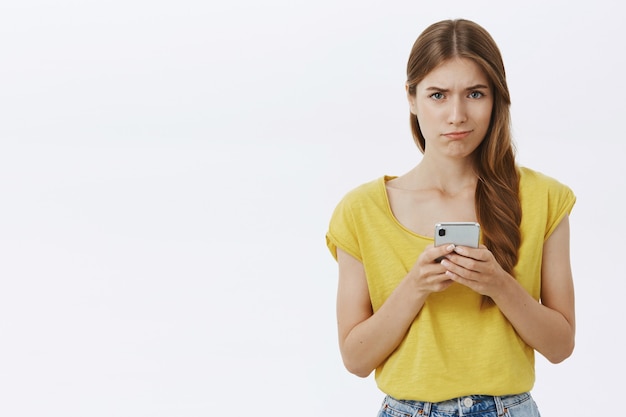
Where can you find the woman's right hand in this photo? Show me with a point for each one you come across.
(366, 338)
(427, 274)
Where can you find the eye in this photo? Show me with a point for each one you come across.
(476, 94)
(437, 96)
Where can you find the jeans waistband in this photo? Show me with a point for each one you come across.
(466, 405)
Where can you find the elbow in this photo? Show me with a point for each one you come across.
(561, 354)
(555, 359)
(360, 372)
(357, 368)
(355, 359)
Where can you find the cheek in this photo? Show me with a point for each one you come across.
(430, 122)
(483, 117)
(425, 114)
(427, 124)
(486, 120)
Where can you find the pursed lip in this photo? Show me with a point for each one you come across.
(458, 134)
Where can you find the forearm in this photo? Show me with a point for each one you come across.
(544, 329)
(369, 343)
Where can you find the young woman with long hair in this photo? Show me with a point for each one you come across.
(449, 328)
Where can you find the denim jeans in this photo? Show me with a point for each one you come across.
(521, 405)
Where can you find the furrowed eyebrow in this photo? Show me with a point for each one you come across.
(478, 87)
(445, 90)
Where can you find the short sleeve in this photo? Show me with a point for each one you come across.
(561, 200)
(342, 231)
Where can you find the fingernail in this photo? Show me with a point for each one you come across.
(451, 247)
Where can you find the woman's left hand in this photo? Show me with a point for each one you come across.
(475, 268)
(549, 325)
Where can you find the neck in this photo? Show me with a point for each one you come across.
(447, 176)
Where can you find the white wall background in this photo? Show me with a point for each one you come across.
(168, 170)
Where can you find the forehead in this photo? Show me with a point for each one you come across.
(455, 73)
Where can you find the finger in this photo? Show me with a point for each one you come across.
(440, 282)
(460, 267)
(433, 271)
(479, 254)
(463, 265)
(441, 251)
(461, 280)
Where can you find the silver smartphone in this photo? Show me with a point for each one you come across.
(459, 233)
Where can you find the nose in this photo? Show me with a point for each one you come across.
(458, 112)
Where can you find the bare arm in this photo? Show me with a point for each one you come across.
(366, 338)
(549, 326)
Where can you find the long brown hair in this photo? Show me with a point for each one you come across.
(497, 201)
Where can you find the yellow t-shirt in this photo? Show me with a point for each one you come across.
(457, 344)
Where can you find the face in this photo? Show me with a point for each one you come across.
(453, 106)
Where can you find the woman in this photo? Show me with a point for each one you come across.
(459, 335)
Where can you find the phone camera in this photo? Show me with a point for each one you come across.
(442, 232)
